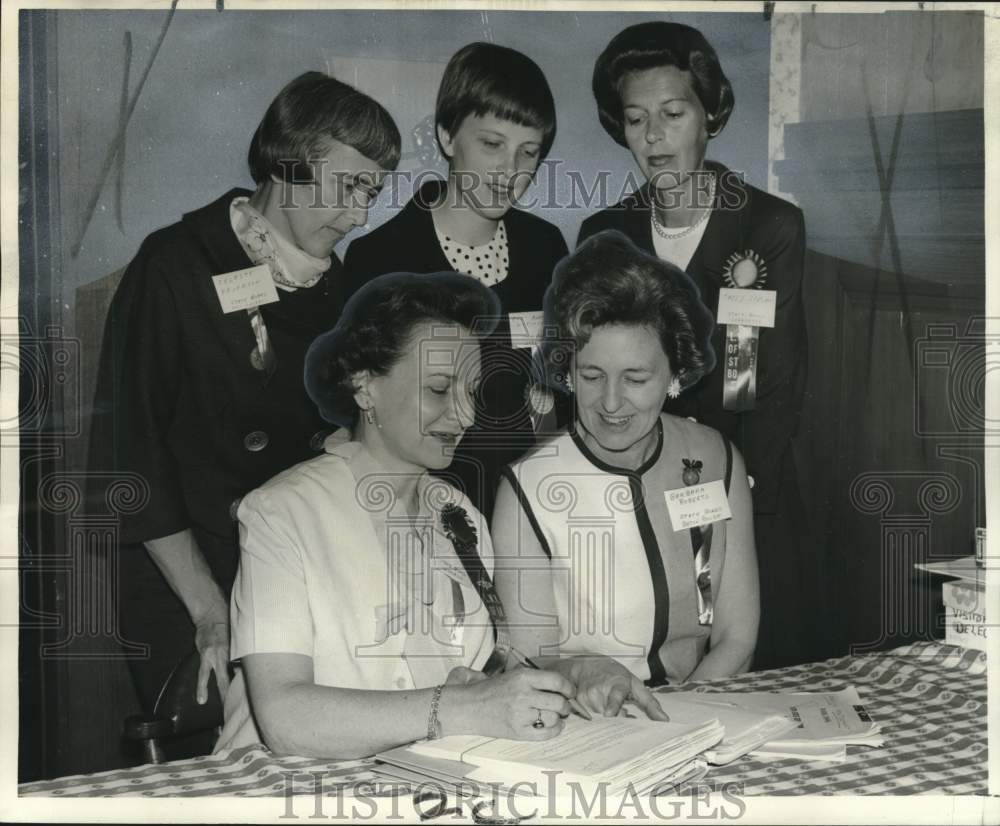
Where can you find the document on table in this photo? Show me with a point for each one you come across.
(616, 751)
(746, 729)
(825, 722)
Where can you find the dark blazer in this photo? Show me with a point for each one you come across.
(408, 243)
(744, 218)
(179, 402)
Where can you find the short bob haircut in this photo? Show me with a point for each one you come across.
(609, 280)
(375, 329)
(651, 45)
(307, 114)
(486, 79)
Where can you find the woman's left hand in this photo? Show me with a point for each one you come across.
(603, 685)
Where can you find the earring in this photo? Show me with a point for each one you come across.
(370, 415)
(674, 388)
(569, 383)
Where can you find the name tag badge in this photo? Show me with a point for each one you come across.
(748, 308)
(526, 329)
(697, 505)
(245, 289)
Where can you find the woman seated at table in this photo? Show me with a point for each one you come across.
(355, 622)
(593, 562)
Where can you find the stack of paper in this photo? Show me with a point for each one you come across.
(746, 729)
(825, 722)
(615, 754)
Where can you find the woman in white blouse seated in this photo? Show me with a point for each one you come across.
(602, 582)
(355, 622)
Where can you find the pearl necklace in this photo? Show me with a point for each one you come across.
(667, 235)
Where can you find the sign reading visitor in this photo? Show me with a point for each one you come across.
(526, 328)
(697, 505)
(245, 289)
(748, 308)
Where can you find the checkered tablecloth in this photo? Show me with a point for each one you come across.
(930, 699)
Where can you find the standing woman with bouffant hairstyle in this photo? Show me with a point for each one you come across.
(495, 122)
(661, 93)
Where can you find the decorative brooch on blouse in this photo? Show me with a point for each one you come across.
(459, 529)
(462, 534)
(692, 471)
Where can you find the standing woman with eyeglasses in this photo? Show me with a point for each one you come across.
(200, 392)
(495, 123)
(662, 94)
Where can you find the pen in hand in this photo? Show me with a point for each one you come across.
(574, 704)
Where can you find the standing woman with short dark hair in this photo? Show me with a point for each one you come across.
(200, 392)
(662, 94)
(496, 121)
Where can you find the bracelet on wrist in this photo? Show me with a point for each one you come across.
(433, 724)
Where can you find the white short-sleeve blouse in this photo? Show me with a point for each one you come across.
(331, 567)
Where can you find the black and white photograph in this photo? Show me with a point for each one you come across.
(499, 412)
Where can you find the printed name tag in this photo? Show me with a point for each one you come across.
(526, 328)
(245, 289)
(749, 308)
(697, 505)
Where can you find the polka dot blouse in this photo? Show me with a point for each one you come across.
(487, 263)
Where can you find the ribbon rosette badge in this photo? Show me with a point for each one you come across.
(745, 270)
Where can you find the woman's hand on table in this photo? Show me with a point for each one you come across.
(507, 705)
(603, 685)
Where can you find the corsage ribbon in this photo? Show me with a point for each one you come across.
(461, 532)
(701, 545)
(262, 357)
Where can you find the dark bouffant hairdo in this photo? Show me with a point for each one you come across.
(376, 326)
(306, 115)
(647, 46)
(486, 79)
(609, 280)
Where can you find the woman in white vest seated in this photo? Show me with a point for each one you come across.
(625, 550)
(358, 620)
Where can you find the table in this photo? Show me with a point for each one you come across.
(929, 697)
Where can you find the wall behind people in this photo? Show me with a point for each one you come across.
(186, 139)
(894, 210)
(188, 133)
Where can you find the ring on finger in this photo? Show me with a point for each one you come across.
(539, 722)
